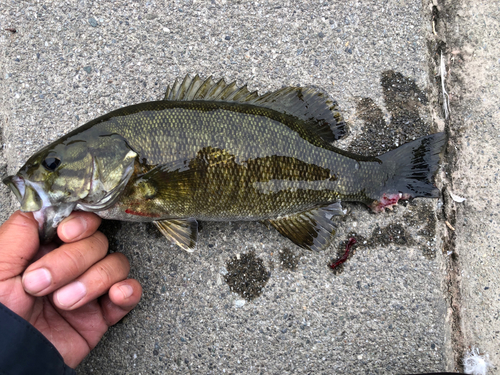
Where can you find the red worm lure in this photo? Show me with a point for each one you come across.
(344, 257)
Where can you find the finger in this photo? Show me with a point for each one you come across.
(78, 225)
(87, 321)
(44, 250)
(18, 243)
(122, 298)
(90, 323)
(93, 283)
(64, 264)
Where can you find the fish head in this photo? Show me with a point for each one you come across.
(72, 174)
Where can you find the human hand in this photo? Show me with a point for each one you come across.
(72, 293)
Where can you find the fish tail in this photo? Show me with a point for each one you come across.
(410, 169)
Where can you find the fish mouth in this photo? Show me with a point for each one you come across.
(34, 199)
(16, 184)
(29, 194)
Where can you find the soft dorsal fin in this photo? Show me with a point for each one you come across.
(311, 230)
(308, 104)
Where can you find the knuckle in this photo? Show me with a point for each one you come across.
(74, 259)
(105, 275)
(115, 268)
(124, 263)
(100, 241)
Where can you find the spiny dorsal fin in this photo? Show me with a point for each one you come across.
(311, 230)
(319, 113)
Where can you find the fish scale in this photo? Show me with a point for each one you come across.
(212, 151)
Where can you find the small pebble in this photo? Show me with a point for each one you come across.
(92, 22)
(239, 303)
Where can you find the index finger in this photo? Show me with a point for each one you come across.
(77, 226)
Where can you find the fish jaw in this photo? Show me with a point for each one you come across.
(34, 199)
(17, 185)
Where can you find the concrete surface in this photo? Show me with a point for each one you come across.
(474, 62)
(389, 309)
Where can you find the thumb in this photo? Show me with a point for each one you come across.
(18, 244)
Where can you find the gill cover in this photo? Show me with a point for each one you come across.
(113, 164)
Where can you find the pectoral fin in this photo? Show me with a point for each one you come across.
(181, 232)
(311, 230)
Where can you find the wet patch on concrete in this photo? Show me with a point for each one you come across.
(391, 234)
(246, 275)
(422, 216)
(288, 259)
(428, 233)
(396, 234)
(403, 100)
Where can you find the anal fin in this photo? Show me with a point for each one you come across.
(311, 230)
(182, 232)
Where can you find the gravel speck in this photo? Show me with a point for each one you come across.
(239, 303)
(92, 22)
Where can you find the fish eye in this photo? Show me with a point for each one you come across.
(51, 163)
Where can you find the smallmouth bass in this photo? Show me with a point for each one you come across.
(216, 152)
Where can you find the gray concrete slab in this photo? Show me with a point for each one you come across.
(385, 312)
(473, 57)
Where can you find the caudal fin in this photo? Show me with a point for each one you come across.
(411, 168)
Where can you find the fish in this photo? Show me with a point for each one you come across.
(212, 151)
